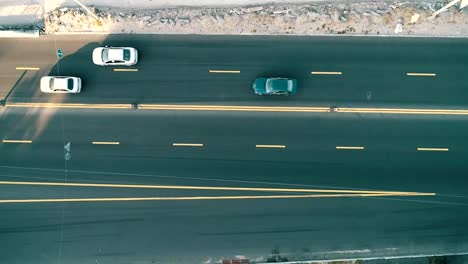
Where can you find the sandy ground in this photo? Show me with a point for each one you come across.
(20, 13)
(49, 5)
(309, 18)
(14, 13)
(52, 4)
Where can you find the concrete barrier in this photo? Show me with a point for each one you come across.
(19, 33)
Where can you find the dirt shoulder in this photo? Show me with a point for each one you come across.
(399, 18)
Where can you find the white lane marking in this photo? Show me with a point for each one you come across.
(270, 146)
(421, 74)
(350, 147)
(432, 149)
(326, 73)
(187, 145)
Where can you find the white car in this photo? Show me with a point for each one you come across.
(115, 56)
(60, 84)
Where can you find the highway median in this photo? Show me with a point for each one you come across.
(244, 108)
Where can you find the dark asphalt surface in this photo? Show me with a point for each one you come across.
(174, 69)
(197, 231)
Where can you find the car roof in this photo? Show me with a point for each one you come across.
(277, 85)
(115, 54)
(61, 83)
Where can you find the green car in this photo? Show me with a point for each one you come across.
(275, 86)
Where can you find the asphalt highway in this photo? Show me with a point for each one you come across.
(175, 69)
(179, 186)
(224, 149)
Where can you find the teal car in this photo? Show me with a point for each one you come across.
(275, 86)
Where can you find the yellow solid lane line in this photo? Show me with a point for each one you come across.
(187, 145)
(174, 107)
(300, 109)
(432, 149)
(17, 141)
(28, 68)
(326, 73)
(105, 143)
(125, 70)
(402, 111)
(217, 188)
(65, 105)
(350, 147)
(224, 71)
(270, 146)
(187, 198)
(421, 74)
(232, 108)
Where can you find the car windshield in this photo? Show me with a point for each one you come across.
(126, 54)
(105, 55)
(51, 84)
(70, 84)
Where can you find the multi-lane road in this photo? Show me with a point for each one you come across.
(175, 69)
(182, 186)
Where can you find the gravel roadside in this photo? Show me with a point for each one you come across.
(398, 18)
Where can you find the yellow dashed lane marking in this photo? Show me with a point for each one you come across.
(350, 147)
(17, 141)
(187, 145)
(421, 74)
(432, 149)
(125, 70)
(28, 68)
(224, 71)
(105, 143)
(326, 73)
(270, 146)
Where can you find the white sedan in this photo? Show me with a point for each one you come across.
(60, 84)
(115, 56)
